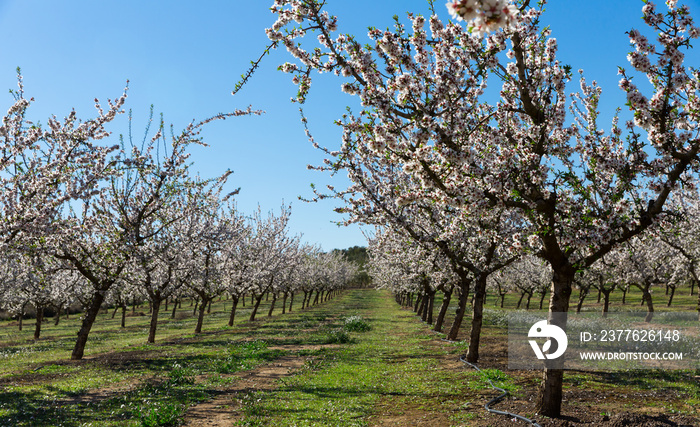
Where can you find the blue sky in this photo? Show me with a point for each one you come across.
(185, 57)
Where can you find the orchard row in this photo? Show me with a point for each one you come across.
(95, 225)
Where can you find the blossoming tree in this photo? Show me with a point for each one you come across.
(582, 190)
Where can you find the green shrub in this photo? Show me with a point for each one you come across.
(165, 415)
(180, 375)
(356, 324)
(337, 336)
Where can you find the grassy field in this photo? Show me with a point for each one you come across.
(355, 360)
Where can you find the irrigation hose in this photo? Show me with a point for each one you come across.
(498, 398)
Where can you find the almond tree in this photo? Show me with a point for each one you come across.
(601, 276)
(272, 248)
(159, 263)
(501, 284)
(646, 262)
(582, 190)
(238, 262)
(214, 227)
(98, 239)
(37, 282)
(684, 236)
(43, 167)
(298, 276)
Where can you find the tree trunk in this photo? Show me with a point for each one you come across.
(316, 299)
(177, 302)
(522, 295)
(650, 305)
(114, 313)
(200, 318)
(233, 310)
(550, 395)
(503, 297)
(447, 296)
(421, 308)
(258, 300)
(21, 317)
(155, 310)
(670, 298)
(527, 303)
(542, 298)
(272, 304)
(477, 318)
(463, 298)
(303, 302)
(431, 303)
(419, 300)
(581, 296)
(284, 303)
(39, 319)
(88, 320)
(606, 302)
(123, 322)
(624, 295)
(58, 315)
(291, 301)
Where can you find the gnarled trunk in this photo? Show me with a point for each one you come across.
(477, 318)
(464, 284)
(670, 298)
(550, 394)
(155, 310)
(258, 300)
(234, 304)
(88, 321)
(200, 318)
(447, 296)
(39, 319)
(581, 296)
(272, 304)
(650, 305)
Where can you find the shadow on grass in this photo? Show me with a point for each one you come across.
(33, 409)
(688, 381)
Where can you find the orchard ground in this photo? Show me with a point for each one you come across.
(310, 367)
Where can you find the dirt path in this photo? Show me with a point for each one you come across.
(227, 407)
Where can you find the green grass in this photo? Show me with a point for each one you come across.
(393, 363)
(368, 360)
(123, 381)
